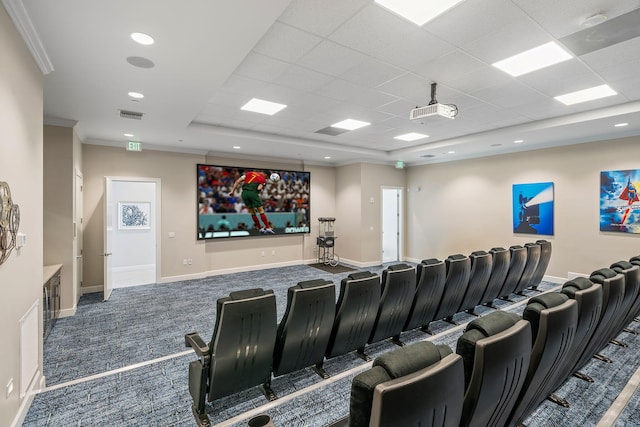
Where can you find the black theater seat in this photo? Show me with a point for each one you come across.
(458, 272)
(554, 318)
(516, 267)
(631, 289)
(398, 289)
(543, 263)
(495, 350)
(533, 258)
(588, 295)
(304, 330)
(418, 385)
(481, 265)
(240, 354)
(355, 314)
(500, 260)
(430, 277)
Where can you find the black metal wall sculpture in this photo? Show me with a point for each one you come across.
(9, 222)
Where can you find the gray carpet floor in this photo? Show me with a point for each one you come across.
(148, 322)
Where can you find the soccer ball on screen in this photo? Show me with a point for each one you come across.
(274, 177)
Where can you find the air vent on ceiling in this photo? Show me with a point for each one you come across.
(331, 131)
(428, 155)
(125, 114)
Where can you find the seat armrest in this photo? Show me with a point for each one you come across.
(194, 341)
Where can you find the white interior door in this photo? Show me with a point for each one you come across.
(77, 235)
(391, 224)
(109, 214)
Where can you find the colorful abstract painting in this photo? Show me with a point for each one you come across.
(619, 202)
(533, 208)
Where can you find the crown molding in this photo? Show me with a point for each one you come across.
(24, 25)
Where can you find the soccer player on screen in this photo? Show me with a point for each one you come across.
(252, 183)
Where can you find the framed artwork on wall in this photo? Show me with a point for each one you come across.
(619, 201)
(533, 208)
(134, 215)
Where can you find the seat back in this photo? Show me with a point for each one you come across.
(588, 295)
(543, 263)
(430, 277)
(500, 260)
(533, 258)
(554, 318)
(458, 272)
(481, 263)
(355, 313)
(243, 341)
(635, 260)
(420, 384)
(304, 330)
(516, 267)
(631, 290)
(495, 351)
(398, 290)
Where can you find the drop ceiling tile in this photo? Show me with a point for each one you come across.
(411, 87)
(302, 79)
(450, 66)
(320, 17)
(400, 107)
(286, 43)
(372, 72)
(260, 67)
(509, 95)
(561, 78)
(243, 86)
(331, 58)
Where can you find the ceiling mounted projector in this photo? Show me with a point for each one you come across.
(434, 108)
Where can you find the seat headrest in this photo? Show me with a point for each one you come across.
(497, 249)
(603, 273)
(430, 261)
(515, 247)
(247, 293)
(456, 256)
(578, 284)
(412, 358)
(360, 275)
(622, 265)
(537, 304)
(493, 323)
(397, 267)
(479, 253)
(312, 283)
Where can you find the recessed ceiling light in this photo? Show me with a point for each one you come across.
(518, 141)
(413, 136)
(327, 157)
(350, 124)
(451, 152)
(533, 59)
(585, 95)
(142, 38)
(263, 107)
(128, 135)
(136, 95)
(619, 125)
(418, 12)
(236, 147)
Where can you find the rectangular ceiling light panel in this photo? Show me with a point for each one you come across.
(585, 95)
(350, 124)
(533, 59)
(413, 136)
(263, 107)
(418, 11)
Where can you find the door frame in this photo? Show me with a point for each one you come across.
(108, 180)
(400, 215)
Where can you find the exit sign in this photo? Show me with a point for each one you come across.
(134, 146)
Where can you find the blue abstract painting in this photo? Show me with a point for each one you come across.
(533, 208)
(619, 202)
(133, 215)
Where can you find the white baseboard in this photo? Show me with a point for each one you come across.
(91, 289)
(36, 385)
(68, 312)
(554, 279)
(169, 279)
